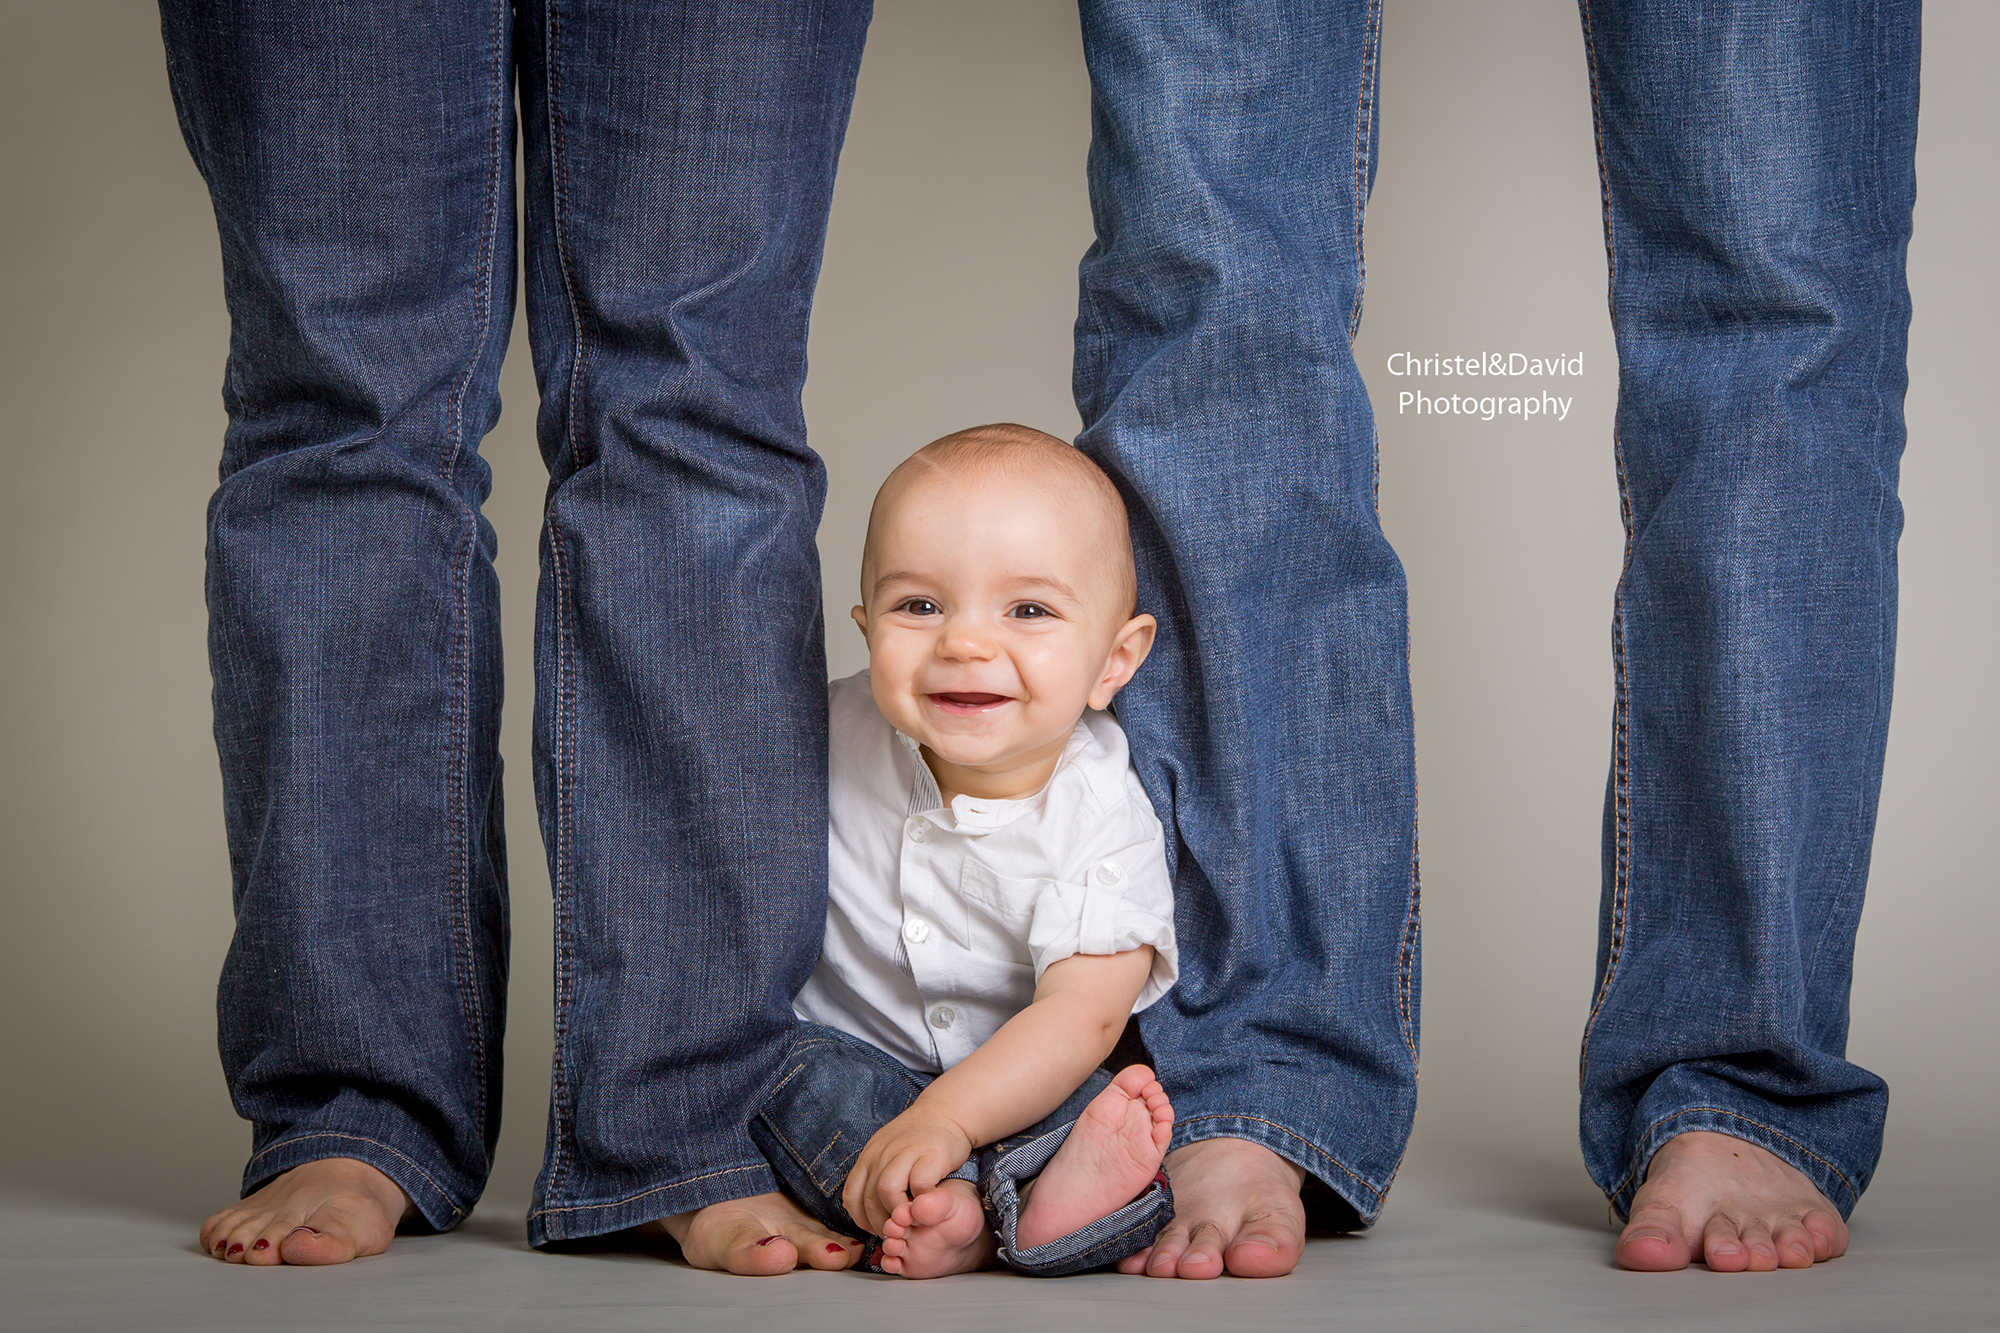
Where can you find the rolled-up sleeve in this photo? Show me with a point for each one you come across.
(1114, 901)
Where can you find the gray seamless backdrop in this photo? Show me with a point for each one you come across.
(947, 299)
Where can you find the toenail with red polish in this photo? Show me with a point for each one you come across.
(236, 1249)
(261, 1244)
(836, 1249)
(767, 1240)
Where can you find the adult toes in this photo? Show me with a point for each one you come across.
(1164, 1258)
(1722, 1247)
(1653, 1242)
(1263, 1251)
(1203, 1257)
(762, 1256)
(1828, 1232)
(1761, 1253)
(1793, 1243)
(214, 1234)
(1135, 1264)
(828, 1253)
(267, 1248)
(311, 1246)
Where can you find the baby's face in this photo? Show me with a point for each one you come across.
(994, 618)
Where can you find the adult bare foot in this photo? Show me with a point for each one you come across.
(1731, 1204)
(323, 1212)
(1236, 1209)
(1106, 1162)
(757, 1236)
(941, 1231)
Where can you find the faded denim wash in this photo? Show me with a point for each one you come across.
(679, 161)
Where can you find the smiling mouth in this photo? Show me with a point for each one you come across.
(968, 702)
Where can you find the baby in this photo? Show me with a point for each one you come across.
(999, 902)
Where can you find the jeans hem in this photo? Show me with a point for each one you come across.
(1362, 1194)
(550, 1223)
(1829, 1179)
(441, 1207)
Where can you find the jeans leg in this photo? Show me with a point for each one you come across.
(1231, 156)
(680, 165)
(833, 1092)
(1758, 183)
(1007, 1166)
(360, 161)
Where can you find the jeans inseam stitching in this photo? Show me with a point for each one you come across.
(1411, 917)
(461, 888)
(1260, 1120)
(562, 725)
(1633, 1170)
(1856, 874)
(1621, 792)
(1364, 114)
(442, 1193)
(646, 1194)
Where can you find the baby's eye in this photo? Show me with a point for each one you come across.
(918, 606)
(1031, 611)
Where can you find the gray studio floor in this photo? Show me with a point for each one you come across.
(1466, 1247)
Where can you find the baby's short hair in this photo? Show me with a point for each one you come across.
(1011, 449)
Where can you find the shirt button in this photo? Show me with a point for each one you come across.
(943, 1016)
(919, 829)
(1109, 872)
(916, 930)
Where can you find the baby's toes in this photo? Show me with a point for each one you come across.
(927, 1210)
(1134, 1080)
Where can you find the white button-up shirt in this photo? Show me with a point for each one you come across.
(941, 919)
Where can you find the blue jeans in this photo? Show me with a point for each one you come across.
(1758, 187)
(834, 1091)
(1758, 181)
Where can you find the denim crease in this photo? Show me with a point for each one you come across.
(835, 1091)
(1757, 163)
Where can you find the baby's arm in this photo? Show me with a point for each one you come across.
(1020, 1074)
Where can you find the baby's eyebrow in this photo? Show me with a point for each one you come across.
(1052, 584)
(897, 576)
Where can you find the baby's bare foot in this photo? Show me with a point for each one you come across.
(1106, 1162)
(757, 1237)
(1731, 1204)
(939, 1232)
(323, 1212)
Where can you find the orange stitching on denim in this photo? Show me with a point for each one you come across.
(645, 1194)
(1633, 1170)
(1259, 1120)
(1621, 755)
(458, 889)
(1412, 917)
(456, 1211)
(1364, 119)
(563, 721)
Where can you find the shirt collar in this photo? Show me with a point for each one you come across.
(974, 815)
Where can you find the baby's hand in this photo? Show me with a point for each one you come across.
(906, 1157)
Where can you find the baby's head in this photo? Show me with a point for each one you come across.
(999, 601)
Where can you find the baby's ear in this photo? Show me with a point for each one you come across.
(1128, 651)
(860, 615)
